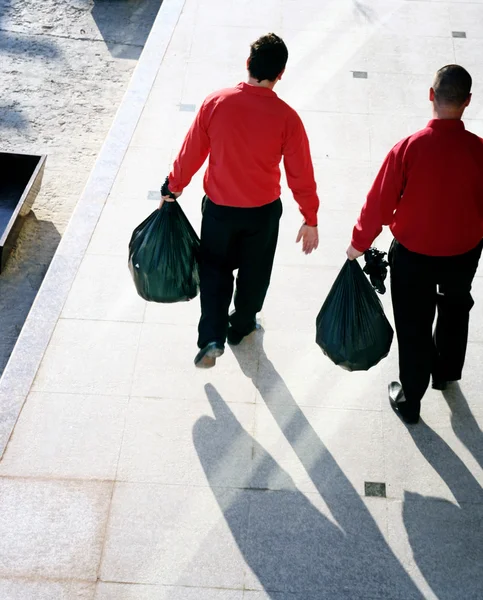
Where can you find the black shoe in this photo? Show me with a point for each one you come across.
(234, 337)
(206, 357)
(399, 404)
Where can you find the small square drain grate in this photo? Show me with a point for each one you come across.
(458, 34)
(359, 74)
(187, 107)
(375, 489)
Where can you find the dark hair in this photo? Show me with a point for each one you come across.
(452, 85)
(268, 57)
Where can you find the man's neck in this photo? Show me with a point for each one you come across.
(265, 83)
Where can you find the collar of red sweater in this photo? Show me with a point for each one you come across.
(255, 89)
(447, 124)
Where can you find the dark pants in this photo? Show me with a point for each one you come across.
(235, 238)
(420, 285)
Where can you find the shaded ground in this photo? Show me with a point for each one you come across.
(64, 67)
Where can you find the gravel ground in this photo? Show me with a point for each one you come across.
(64, 67)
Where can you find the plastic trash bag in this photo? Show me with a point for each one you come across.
(352, 329)
(163, 256)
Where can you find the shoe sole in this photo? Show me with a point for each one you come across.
(209, 359)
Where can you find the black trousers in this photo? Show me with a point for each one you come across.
(421, 286)
(235, 238)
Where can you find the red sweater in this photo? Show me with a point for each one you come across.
(247, 130)
(429, 191)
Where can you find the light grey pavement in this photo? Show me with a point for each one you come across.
(132, 476)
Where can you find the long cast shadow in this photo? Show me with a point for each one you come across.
(291, 546)
(447, 538)
(464, 423)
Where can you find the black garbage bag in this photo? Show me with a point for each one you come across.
(352, 329)
(163, 256)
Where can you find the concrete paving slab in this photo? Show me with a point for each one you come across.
(103, 291)
(164, 367)
(429, 530)
(67, 436)
(175, 535)
(105, 351)
(52, 529)
(158, 444)
(18, 589)
(118, 591)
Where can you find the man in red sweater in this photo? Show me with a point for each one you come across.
(430, 192)
(245, 131)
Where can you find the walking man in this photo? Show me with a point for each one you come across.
(430, 192)
(245, 130)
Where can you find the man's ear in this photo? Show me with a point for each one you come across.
(467, 103)
(280, 76)
(431, 94)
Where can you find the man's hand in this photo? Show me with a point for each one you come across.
(309, 237)
(169, 199)
(352, 253)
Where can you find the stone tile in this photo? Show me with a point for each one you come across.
(182, 313)
(395, 53)
(19, 589)
(202, 80)
(165, 367)
(337, 136)
(295, 370)
(68, 436)
(334, 90)
(342, 185)
(104, 290)
(158, 445)
(170, 126)
(267, 15)
(335, 232)
(311, 444)
(317, 550)
(228, 45)
(118, 591)
(401, 94)
(189, 542)
(10, 407)
(25, 359)
(123, 220)
(467, 20)
(429, 458)
(89, 357)
(52, 529)
(442, 540)
(286, 307)
(387, 131)
(142, 170)
(421, 19)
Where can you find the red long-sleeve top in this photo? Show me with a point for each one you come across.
(246, 130)
(429, 191)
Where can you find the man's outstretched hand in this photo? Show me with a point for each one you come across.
(352, 253)
(309, 237)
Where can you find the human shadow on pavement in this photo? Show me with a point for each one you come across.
(291, 546)
(125, 24)
(446, 538)
(463, 421)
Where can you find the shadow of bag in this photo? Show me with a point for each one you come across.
(352, 329)
(163, 256)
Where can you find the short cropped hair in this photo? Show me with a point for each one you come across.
(452, 85)
(268, 57)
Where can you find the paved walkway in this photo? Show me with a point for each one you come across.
(132, 476)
